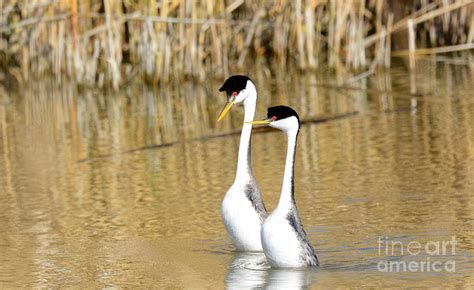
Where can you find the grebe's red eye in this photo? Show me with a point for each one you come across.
(234, 94)
(274, 118)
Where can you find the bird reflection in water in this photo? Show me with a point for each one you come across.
(251, 270)
(299, 278)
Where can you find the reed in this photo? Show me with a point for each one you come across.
(108, 42)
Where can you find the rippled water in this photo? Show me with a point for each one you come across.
(124, 189)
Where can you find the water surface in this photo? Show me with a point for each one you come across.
(104, 189)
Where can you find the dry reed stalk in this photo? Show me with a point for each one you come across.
(361, 34)
(412, 83)
(25, 59)
(73, 7)
(380, 54)
(309, 23)
(331, 31)
(445, 17)
(191, 38)
(200, 55)
(162, 40)
(59, 52)
(411, 44)
(378, 25)
(435, 50)
(277, 33)
(53, 40)
(351, 47)
(318, 29)
(216, 43)
(388, 42)
(182, 41)
(470, 37)
(341, 27)
(299, 34)
(112, 50)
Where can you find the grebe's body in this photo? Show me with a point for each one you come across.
(243, 213)
(285, 242)
(284, 239)
(243, 210)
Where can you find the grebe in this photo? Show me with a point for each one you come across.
(242, 209)
(284, 239)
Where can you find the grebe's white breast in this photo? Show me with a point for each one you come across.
(283, 244)
(243, 213)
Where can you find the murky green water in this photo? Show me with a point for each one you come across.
(124, 189)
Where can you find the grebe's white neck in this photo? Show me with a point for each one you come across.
(244, 162)
(287, 198)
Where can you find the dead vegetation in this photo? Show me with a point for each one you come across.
(105, 42)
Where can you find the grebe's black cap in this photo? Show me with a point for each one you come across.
(281, 112)
(235, 84)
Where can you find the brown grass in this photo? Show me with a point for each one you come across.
(110, 41)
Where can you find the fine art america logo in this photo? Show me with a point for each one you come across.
(432, 256)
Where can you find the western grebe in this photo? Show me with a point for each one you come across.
(284, 240)
(242, 209)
